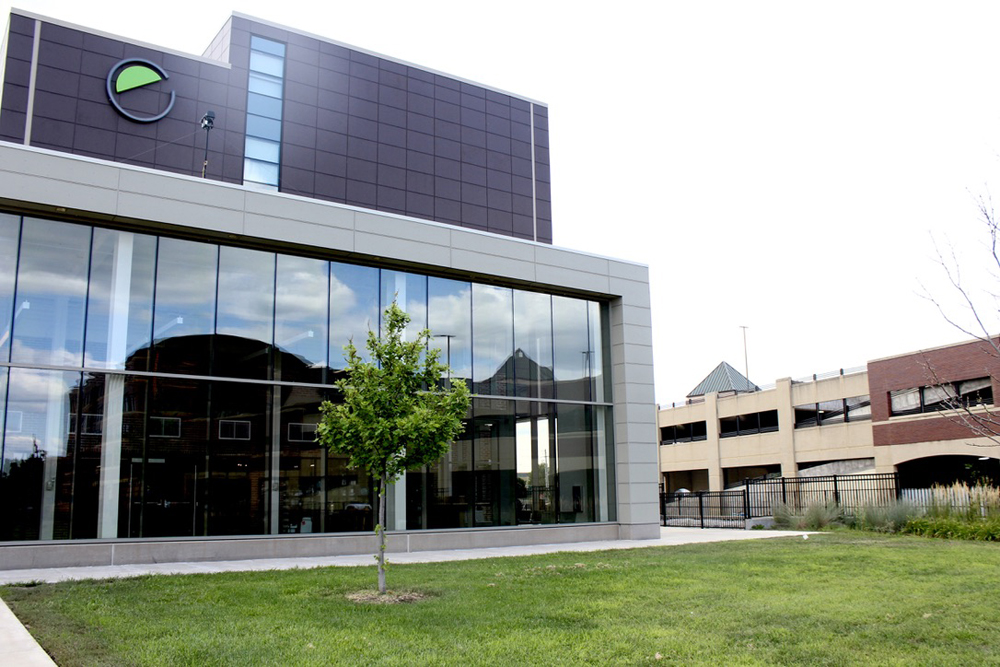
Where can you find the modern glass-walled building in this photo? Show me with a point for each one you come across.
(166, 340)
(165, 387)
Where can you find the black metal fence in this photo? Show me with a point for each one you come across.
(731, 509)
(849, 492)
(705, 509)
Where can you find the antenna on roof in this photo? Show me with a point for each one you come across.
(746, 363)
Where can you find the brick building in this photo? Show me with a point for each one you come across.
(926, 414)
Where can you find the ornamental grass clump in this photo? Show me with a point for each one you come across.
(960, 501)
(813, 517)
(886, 518)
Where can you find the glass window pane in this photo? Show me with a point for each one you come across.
(260, 172)
(353, 309)
(449, 317)
(441, 495)
(409, 291)
(574, 359)
(533, 344)
(262, 105)
(10, 232)
(600, 384)
(184, 316)
(266, 128)
(187, 478)
(167, 474)
(495, 461)
(318, 492)
(267, 63)
(51, 293)
(575, 463)
(261, 44)
(493, 340)
(120, 300)
(265, 85)
(245, 319)
(229, 491)
(263, 149)
(536, 490)
(300, 325)
(38, 454)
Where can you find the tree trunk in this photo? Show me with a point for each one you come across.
(381, 534)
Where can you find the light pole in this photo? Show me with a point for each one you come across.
(207, 123)
(746, 363)
(448, 338)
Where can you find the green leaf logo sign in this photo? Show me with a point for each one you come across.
(131, 74)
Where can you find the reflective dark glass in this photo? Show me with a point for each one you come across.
(10, 232)
(533, 344)
(301, 319)
(244, 325)
(409, 291)
(318, 492)
(494, 461)
(449, 317)
(576, 475)
(36, 489)
(120, 300)
(184, 312)
(536, 483)
(354, 299)
(574, 359)
(492, 340)
(51, 293)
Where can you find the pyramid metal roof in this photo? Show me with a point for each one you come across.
(724, 378)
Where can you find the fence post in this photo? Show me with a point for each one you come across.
(701, 510)
(836, 493)
(784, 497)
(746, 503)
(895, 481)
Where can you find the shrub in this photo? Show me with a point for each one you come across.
(814, 517)
(987, 530)
(888, 518)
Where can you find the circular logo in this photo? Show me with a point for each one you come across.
(131, 74)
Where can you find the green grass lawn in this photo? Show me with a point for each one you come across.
(837, 598)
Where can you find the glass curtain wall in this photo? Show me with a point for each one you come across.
(159, 387)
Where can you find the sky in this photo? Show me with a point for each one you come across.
(795, 168)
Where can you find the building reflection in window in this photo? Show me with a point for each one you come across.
(159, 387)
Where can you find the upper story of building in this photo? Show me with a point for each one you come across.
(919, 405)
(290, 112)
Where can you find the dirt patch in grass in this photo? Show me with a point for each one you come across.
(389, 597)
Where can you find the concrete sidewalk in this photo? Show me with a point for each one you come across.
(17, 647)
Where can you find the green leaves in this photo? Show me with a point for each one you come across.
(394, 417)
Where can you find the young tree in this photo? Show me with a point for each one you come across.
(395, 415)
(977, 316)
